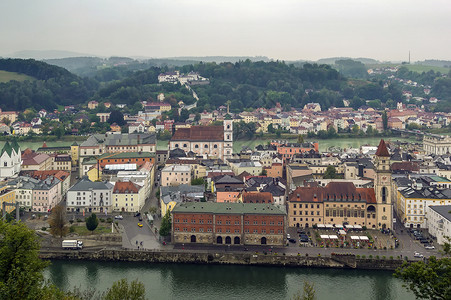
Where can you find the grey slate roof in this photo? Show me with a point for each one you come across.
(85, 184)
(443, 210)
(123, 139)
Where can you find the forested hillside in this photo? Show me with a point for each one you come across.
(257, 84)
(53, 86)
(246, 84)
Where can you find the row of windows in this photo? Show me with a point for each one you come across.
(219, 230)
(306, 213)
(312, 219)
(227, 222)
(196, 146)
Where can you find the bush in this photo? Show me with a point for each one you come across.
(377, 256)
(391, 257)
(384, 257)
(72, 229)
(370, 256)
(102, 220)
(364, 227)
(358, 256)
(363, 256)
(109, 220)
(79, 220)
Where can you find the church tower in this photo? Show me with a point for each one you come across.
(382, 187)
(228, 137)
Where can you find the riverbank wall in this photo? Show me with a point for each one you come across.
(346, 261)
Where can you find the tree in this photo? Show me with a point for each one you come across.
(331, 173)
(57, 221)
(122, 290)
(197, 181)
(92, 222)
(430, 279)
(308, 293)
(385, 121)
(20, 267)
(300, 139)
(166, 224)
(116, 117)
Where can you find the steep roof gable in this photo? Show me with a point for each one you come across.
(382, 149)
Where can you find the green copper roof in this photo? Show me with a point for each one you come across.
(227, 208)
(7, 148)
(15, 146)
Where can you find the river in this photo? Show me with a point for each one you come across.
(184, 281)
(323, 144)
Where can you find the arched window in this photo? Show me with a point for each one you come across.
(205, 146)
(215, 146)
(384, 195)
(185, 145)
(196, 146)
(176, 145)
(228, 126)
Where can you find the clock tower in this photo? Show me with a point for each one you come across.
(382, 187)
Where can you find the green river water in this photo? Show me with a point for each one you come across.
(186, 281)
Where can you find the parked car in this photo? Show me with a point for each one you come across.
(292, 241)
(424, 241)
(429, 247)
(137, 214)
(140, 218)
(119, 217)
(418, 255)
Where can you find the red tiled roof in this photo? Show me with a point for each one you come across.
(382, 149)
(264, 197)
(127, 187)
(334, 191)
(42, 175)
(199, 133)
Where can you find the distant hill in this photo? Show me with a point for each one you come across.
(45, 54)
(331, 60)
(435, 63)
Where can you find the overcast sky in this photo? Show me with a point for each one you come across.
(279, 29)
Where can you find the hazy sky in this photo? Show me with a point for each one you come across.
(279, 29)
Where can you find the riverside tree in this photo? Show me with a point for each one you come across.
(430, 279)
(92, 222)
(20, 267)
(57, 222)
(166, 224)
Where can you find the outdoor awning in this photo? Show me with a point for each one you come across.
(349, 226)
(328, 226)
(324, 236)
(357, 227)
(320, 225)
(354, 237)
(338, 226)
(342, 232)
(334, 237)
(364, 238)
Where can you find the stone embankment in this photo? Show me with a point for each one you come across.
(348, 261)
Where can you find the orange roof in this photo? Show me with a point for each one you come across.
(127, 187)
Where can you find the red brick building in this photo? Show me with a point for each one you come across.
(228, 223)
